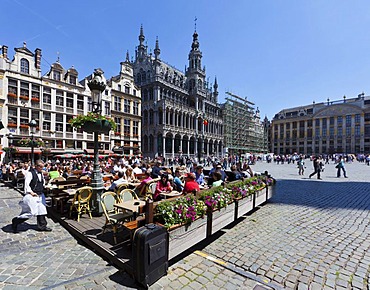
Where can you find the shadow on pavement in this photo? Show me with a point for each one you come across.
(323, 194)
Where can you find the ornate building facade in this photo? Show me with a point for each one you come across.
(52, 100)
(180, 110)
(341, 126)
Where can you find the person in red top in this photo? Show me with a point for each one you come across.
(163, 185)
(190, 184)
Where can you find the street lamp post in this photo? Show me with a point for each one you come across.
(10, 138)
(97, 86)
(32, 125)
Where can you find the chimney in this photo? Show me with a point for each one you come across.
(5, 51)
(38, 58)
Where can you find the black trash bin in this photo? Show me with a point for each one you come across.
(150, 253)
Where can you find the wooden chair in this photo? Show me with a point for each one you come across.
(114, 219)
(81, 202)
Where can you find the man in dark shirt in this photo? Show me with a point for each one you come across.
(157, 169)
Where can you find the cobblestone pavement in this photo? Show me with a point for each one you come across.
(314, 234)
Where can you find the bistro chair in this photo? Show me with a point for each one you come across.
(81, 202)
(114, 219)
(127, 194)
(120, 187)
(152, 187)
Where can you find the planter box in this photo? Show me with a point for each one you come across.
(185, 236)
(271, 191)
(220, 218)
(99, 126)
(243, 206)
(260, 197)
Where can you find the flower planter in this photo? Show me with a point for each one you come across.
(98, 126)
(182, 237)
(12, 125)
(243, 206)
(219, 219)
(35, 100)
(11, 95)
(260, 197)
(26, 98)
(270, 191)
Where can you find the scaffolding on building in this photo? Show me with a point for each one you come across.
(244, 132)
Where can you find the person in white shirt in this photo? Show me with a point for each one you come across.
(33, 202)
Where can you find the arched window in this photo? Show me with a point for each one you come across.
(25, 66)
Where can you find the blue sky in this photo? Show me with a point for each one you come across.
(278, 54)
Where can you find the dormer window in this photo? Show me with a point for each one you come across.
(72, 80)
(127, 90)
(25, 66)
(56, 75)
(120, 88)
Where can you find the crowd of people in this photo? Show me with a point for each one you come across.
(174, 175)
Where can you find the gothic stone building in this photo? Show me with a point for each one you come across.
(180, 112)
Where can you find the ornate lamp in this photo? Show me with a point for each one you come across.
(97, 86)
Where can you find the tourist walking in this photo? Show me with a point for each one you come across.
(317, 165)
(33, 202)
(340, 166)
(301, 166)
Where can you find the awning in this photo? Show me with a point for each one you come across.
(27, 150)
(89, 151)
(57, 151)
(74, 151)
(65, 156)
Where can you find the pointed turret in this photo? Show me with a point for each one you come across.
(127, 56)
(141, 49)
(215, 91)
(157, 50)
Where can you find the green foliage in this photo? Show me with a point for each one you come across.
(27, 142)
(186, 209)
(183, 210)
(80, 120)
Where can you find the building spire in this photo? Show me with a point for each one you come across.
(127, 56)
(157, 50)
(142, 49)
(195, 23)
(141, 36)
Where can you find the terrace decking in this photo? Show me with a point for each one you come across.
(90, 231)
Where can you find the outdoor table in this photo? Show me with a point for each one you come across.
(170, 194)
(63, 196)
(134, 206)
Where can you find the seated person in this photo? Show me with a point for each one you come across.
(217, 169)
(119, 181)
(141, 187)
(178, 184)
(191, 185)
(247, 171)
(130, 175)
(163, 185)
(53, 172)
(217, 179)
(199, 176)
(235, 174)
(157, 169)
